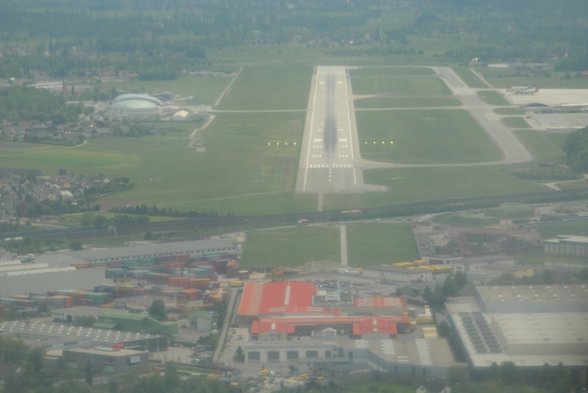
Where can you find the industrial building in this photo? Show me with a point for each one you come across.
(102, 360)
(44, 333)
(575, 246)
(529, 325)
(202, 249)
(116, 319)
(286, 326)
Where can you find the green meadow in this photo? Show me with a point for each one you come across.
(408, 185)
(492, 97)
(51, 158)
(251, 149)
(423, 137)
(405, 102)
(270, 88)
(203, 88)
(406, 85)
(377, 244)
(471, 79)
(291, 247)
(515, 122)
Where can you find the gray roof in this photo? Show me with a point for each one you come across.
(546, 298)
(46, 333)
(158, 249)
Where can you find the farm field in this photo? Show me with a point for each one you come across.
(424, 137)
(377, 244)
(291, 247)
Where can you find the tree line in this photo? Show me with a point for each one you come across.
(576, 149)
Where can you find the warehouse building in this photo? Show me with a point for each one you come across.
(576, 246)
(102, 360)
(529, 325)
(285, 327)
(44, 333)
(202, 249)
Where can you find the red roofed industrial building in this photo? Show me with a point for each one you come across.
(286, 307)
(356, 325)
(276, 298)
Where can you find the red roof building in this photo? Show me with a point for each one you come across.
(383, 302)
(277, 297)
(287, 307)
(359, 325)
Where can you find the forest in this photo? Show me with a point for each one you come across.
(160, 39)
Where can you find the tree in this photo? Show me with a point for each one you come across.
(157, 310)
(171, 378)
(443, 329)
(509, 373)
(239, 355)
(75, 245)
(455, 375)
(89, 373)
(576, 148)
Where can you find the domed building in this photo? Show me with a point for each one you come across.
(135, 106)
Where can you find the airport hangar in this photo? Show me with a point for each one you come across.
(289, 322)
(530, 325)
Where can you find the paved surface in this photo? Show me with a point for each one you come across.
(343, 243)
(513, 150)
(330, 161)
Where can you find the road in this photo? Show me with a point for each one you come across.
(330, 160)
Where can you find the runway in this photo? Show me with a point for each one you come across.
(330, 150)
(330, 158)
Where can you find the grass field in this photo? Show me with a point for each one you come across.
(270, 88)
(457, 219)
(378, 386)
(405, 102)
(377, 244)
(397, 82)
(469, 77)
(540, 259)
(408, 185)
(515, 122)
(541, 145)
(492, 97)
(291, 247)
(509, 111)
(52, 158)
(578, 228)
(504, 78)
(204, 89)
(239, 172)
(421, 136)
